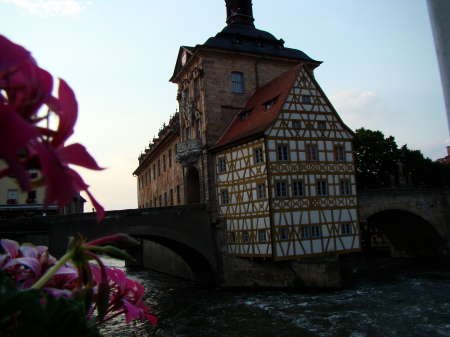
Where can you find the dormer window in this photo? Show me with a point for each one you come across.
(244, 115)
(306, 99)
(269, 104)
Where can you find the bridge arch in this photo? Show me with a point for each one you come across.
(409, 234)
(201, 262)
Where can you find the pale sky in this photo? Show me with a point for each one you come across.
(379, 68)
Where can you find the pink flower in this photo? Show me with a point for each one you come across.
(25, 263)
(24, 143)
(125, 297)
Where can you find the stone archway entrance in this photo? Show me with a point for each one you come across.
(192, 184)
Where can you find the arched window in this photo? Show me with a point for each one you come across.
(237, 82)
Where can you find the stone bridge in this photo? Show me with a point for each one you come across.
(185, 230)
(416, 221)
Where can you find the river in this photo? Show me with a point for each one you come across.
(380, 298)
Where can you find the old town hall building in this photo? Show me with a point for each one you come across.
(258, 141)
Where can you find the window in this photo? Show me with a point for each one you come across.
(154, 202)
(296, 124)
(339, 153)
(154, 172)
(283, 153)
(165, 198)
(170, 157)
(258, 155)
(321, 125)
(32, 195)
(269, 104)
(311, 153)
(233, 237)
(151, 204)
(305, 232)
(345, 187)
(262, 236)
(149, 174)
(315, 231)
(244, 115)
(171, 197)
(297, 188)
(237, 82)
(346, 229)
(322, 188)
(188, 133)
(196, 87)
(12, 194)
(178, 194)
(283, 233)
(281, 189)
(224, 197)
(261, 191)
(159, 167)
(222, 165)
(164, 162)
(245, 234)
(160, 200)
(306, 99)
(198, 126)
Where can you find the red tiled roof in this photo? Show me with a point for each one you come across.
(258, 119)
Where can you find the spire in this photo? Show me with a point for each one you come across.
(239, 11)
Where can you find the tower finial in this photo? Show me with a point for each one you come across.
(239, 11)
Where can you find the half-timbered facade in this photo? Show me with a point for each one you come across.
(260, 143)
(285, 174)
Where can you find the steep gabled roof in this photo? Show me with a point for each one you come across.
(254, 118)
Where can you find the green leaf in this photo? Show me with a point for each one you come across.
(117, 253)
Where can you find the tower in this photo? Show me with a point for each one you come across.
(215, 79)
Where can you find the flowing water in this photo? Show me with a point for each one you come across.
(380, 298)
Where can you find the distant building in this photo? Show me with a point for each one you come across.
(17, 204)
(446, 159)
(257, 140)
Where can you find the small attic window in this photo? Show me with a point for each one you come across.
(269, 104)
(244, 115)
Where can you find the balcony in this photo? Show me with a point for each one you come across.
(11, 201)
(31, 201)
(188, 151)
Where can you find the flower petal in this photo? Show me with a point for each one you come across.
(29, 262)
(77, 154)
(67, 115)
(12, 54)
(11, 247)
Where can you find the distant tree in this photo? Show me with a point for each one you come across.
(380, 163)
(375, 158)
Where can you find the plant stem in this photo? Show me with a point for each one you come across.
(52, 271)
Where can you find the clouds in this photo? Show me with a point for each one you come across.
(359, 108)
(47, 8)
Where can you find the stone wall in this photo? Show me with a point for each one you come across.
(320, 272)
(162, 259)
